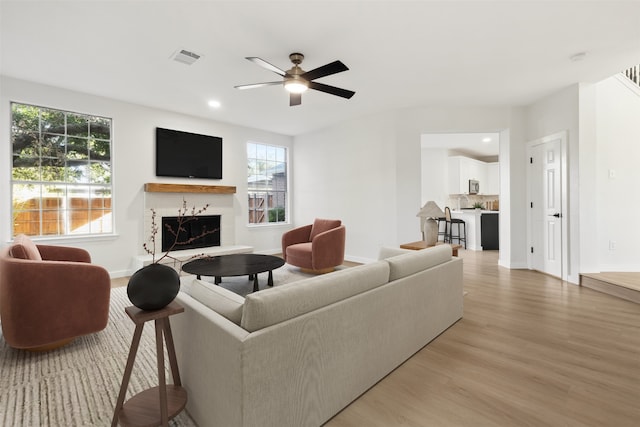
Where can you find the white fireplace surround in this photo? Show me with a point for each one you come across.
(168, 204)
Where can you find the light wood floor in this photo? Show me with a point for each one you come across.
(120, 281)
(530, 351)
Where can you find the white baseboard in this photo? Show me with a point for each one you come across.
(119, 273)
(513, 265)
(275, 251)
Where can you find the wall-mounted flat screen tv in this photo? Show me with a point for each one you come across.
(188, 155)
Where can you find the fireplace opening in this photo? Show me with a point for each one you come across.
(192, 229)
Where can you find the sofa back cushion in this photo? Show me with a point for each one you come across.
(218, 299)
(322, 225)
(388, 252)
(24, 248)
(275, 305)
(410, 263)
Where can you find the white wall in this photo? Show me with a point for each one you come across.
(378, 202)
(590, 209)
(553, 114)
(134, 164)
(617, 197)
(348, 173)
(556, 113)
(367, 172)
(435, 176)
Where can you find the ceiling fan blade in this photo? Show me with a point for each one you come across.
(331, 89)
(325, 70)
(264, 64)
(255, 85)
(295, 99)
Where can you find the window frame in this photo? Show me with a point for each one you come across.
(88, 183)
(287, 194)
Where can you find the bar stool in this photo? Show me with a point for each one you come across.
(449, 223)
(443, 232)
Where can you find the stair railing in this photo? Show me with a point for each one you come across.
(633, 74)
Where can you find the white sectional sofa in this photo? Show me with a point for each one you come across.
(296, 354)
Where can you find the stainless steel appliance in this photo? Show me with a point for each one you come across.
(474, 186)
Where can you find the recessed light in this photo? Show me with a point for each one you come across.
(214, 104)
(486, 140)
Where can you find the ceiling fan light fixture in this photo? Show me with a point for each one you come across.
(296, 81)
(296, 87)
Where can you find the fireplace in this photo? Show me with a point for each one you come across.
(192, 229)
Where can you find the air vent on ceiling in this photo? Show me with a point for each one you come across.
(185, 57)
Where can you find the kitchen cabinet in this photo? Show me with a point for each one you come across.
(461, 170)
(492, 186)
(481, 225)
(489, 231)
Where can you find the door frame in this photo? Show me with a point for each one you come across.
(564, 196)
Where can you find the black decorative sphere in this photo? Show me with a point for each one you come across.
(153, 286)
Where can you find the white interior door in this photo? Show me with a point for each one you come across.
(546, 205)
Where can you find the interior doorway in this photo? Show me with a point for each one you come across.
(449, 161)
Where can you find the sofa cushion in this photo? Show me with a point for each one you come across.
(24, 248)
(387, 252)
(411, 263)
(218, 299)
(275, 305)
(322, 225)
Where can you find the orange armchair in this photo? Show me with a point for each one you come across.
(50, 295)
(315, 248)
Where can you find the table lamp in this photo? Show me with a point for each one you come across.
(428, 225)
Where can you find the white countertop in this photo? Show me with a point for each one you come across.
(474, 211)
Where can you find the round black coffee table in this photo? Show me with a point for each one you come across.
(235, 265)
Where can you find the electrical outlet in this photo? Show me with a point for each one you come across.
(612, 174)
(612, 245)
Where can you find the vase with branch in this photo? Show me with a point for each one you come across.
(154, 286)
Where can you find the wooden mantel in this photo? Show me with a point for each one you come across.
(153, 187)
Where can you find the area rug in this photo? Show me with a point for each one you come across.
(78, 385)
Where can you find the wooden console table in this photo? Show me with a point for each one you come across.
(421, 244)
(157, 405)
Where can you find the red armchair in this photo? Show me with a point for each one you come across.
(315, 248)
(50, 295)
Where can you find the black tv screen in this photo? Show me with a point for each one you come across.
(188, 155)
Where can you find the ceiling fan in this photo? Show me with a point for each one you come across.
(296, 80)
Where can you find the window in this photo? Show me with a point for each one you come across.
(61, 172)
(267, 183)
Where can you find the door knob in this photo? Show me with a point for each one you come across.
(557, 215)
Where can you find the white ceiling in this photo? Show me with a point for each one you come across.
(475, 145)
(400, 53)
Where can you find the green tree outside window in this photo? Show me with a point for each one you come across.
(61, 172)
